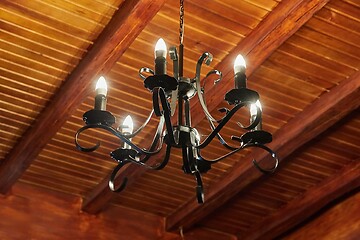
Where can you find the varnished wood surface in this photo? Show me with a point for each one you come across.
(298, 210)
(286, 141)
(338, 222)
(121, 31)
(293, 62)
(35, 213)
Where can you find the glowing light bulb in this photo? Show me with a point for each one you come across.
(101, 87)
(253, 108)
(239, 64)
(128, 125)
(160, 48)
(127, 128)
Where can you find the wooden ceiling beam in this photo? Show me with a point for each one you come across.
(121, 31)
(315, 119)
(309, 203)
(268, 36)
(281, 23)
(25, 206)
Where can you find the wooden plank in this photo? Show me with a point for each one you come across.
(327, 110)
(98, 198)
(121, 31)
(46, 214)
(274, 30)
(340, 221)
(306, 205)
(258, 41)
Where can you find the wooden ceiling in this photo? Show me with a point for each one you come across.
(303, 57)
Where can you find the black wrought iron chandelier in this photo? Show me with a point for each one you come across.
(169, 93)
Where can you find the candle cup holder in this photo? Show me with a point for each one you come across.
(95, 116)
(236, 96)
(257, 136)
(121, 154)
(164, 81)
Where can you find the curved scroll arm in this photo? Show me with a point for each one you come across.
(121, 136)
(222, 123)
(221, 139)
(81, 148)
(222, 157)
(199, 187)
(141, 127)
(113, 177)
(133, 160)
(217, 72)
(256, 164)
(159, 94)
(207, 58)
(147, 70)
(174, 94)
(129, 159)
(255, 121)
(272, 154)
(212, 125)
(157, 166)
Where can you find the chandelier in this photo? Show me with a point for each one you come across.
(174, 92)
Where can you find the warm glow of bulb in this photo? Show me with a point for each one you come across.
(128, 125)
(239, 64)
(101, 87)
(253, 108)
(160, 48)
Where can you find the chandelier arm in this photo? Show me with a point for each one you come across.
(187, 112)
(174, 94)
(199, 187)
(130, 159)
(78, 145)
(157, 141)
(113, 176)
(147, 70)
(216, 72)
(142, 126)
(207, 58)
(186, 162)
(221, 139)
(251, 126)
(272, 154)
(122, 137)
(222, 123)
(157, 166)
(201, 158)
(159, 92)
(255, 122)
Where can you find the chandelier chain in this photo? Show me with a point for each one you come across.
(181, 30)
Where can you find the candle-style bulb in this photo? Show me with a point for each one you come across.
(160, 48)
(253, 114)
(128, 125)
(101, 87)
(101, 91)
(127, 128)
(239, 64)
(253, 108)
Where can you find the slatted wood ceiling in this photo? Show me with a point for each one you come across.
(42, 42)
